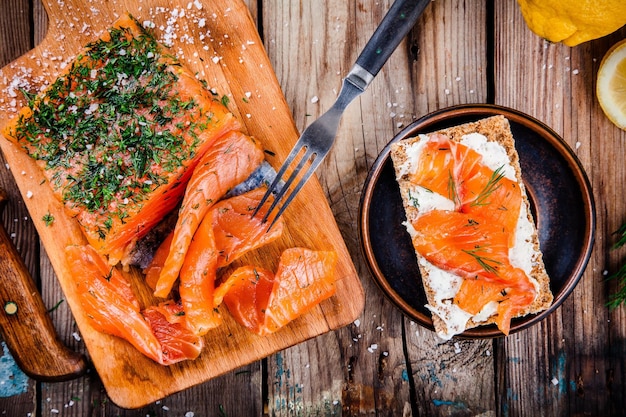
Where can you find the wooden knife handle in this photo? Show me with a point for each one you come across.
(26, 325)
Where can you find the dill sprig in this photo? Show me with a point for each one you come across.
(488, 264)
(492, 185)
(615, 300)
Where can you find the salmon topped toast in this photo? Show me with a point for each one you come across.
(119, 133)
(471, 226)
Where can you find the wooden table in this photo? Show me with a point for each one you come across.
(385, 364)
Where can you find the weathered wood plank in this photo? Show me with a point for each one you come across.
(427, 72)
(18, 393)
(569, 364)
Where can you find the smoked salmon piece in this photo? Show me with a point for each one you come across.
(226, 232)
(263, 302)
(197, 280)
(236, 232)
(118, 135)
(228, 162)
(108, 301)
(168, 323)
(159, 332)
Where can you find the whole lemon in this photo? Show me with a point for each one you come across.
(573, 21)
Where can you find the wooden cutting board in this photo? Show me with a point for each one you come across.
(218, 40)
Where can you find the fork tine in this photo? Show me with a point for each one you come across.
(277, 179)
(292, 177)
(316, 161)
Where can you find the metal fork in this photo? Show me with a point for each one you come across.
(318, 138)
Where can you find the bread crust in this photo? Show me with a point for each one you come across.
(495, 129)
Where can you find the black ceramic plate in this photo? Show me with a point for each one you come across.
(561, 202)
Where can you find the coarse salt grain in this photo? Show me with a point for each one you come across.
(315, 99)
(555, 381)
(29, 194)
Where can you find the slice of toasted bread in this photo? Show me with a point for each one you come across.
(440, 286)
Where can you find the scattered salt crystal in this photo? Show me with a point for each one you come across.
(488, 353)
(555, 381)
(54, 411)
(215, 59)
(357, 322)
(605, 272)
(372, 348)
(447, 91)
(457, 347)
(315, 99)
(201, 22)
(575, 72)
(578, 145)
(189, 414)
(248, 115)
(29, 194)
(385, 353)
(197, 4)
(76, 336)
(165, 408)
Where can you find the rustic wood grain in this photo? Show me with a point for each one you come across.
(130, 379)
(570, 364)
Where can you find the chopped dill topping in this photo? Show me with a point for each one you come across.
(109, 130)
(492, 185)
(488, 264)
(48, 219)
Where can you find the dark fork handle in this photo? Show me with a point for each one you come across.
(398, 21)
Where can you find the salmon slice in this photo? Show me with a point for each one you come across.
(263, 302)
(108, 301)
(231, 160)
(178, 343)
(236, 231)
(227, 232)
(248, 296)
(118, 134)
(197, 280)
(153, 271)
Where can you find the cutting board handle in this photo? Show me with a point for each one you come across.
(26, 326)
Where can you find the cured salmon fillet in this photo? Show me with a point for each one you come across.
(471, 227)
(118, 135)
(159, 332)
(264, 302)
(226, 232)
(230, 161)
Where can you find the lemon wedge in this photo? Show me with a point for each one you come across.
(611, 85)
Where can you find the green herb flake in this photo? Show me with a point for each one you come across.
(48, 219)
(104, 129)
(619, 297)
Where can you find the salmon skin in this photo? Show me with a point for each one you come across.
(118, 135)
